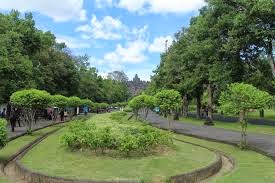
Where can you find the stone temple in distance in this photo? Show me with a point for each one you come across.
(136, 86)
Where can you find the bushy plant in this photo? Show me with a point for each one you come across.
(118, 115)
(128, 109)
(139, 139)
(3, 133)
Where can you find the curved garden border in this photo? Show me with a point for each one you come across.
(189, 177)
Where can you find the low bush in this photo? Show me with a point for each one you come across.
(118, 115)
(3, 133)
(128, 109)
(122, 139)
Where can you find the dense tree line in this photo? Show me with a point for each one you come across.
(229, 41)
(31, 58)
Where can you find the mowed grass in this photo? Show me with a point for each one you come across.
(251, 167)
(233, 126)
(4, 180)
(15, 145)
(59, 161)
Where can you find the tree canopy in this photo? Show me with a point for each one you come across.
(228, 42)
(32, 58)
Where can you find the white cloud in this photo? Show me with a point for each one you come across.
(155, 6)
(158, 44)
(59, 11)
(132, 53)
(132, 5)
(108, 28)
(72, 42)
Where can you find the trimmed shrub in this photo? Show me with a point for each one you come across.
(3, 133)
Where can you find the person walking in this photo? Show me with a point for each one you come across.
(62, 114)
(13, 119)
(3, 113)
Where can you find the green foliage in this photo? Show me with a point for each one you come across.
(87, 102)
(168, 101)
(32, 58)
(31, 99)
(3, 133)
(137, 139)
(240, 96)
(74, 102)
(137, 102)
(118, 115)
(142, 102)
(59, 101)
(128, 109)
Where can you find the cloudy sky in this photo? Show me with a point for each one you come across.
(124, 35)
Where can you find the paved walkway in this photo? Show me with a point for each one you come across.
(22, 130)
(259, 142)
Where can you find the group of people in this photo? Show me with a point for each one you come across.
(16, 116)
(52, 114)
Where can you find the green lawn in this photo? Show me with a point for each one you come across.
(4, 180)
(268, 114)
(15, 145)
(59, 161)
(251, 167)
(233, 126)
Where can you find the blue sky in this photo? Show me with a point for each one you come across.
(126, 35)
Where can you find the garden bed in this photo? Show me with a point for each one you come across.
(60, 161)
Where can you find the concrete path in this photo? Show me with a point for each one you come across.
(22, 130)
(264, 144)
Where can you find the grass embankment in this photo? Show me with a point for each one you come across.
(59, 161)
(15, 145)
(251, 167)
(270, 130)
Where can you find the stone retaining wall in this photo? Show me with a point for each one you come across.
(200, 174)
(35, 177)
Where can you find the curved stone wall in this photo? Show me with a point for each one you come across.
(190, 177)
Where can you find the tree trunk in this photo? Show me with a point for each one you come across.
(176, 115)
(198, 106)
(271, 57)
(261, 113)
(243, 143)
(185, 105)
(146, 113)
(210, 102)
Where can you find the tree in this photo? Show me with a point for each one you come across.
(137, 103)
(239, 99)
(169, 101)
(59, 101)
(119, 76)
(149, 104)
(30, 101)
(73, 102)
